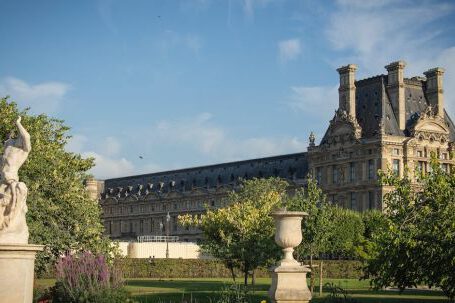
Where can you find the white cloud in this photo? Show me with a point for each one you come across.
(375, 33)
(41, 98)
(110, 146)
(201, 135)
(108, 161)
(289, 49)
(106, 167)
(315, 101)
(384, 32)
(76, 144)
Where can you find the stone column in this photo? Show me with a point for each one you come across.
(17, 263)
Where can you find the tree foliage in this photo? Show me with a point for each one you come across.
(418, 245)
(347, 233)
(242, 234)
(60, 213)
(317, 227)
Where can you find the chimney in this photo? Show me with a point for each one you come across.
(435, 92)
(91, 185)
(347, 89)
(395, 87)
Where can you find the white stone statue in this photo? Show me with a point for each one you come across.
(13, 194)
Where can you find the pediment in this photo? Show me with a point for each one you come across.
(341, 129)
(431, 126)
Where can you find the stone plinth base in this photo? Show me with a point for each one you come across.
(17, 264)
(289, 284)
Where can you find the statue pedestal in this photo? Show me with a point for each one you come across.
(17, 264)
(289, 284)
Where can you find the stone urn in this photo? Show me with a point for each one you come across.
(289, 277)
(288, 233)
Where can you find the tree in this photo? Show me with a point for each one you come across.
(317, 228)
(347, 232)
(242, 234)
(418, 246)
(375, 222)
(60, 213)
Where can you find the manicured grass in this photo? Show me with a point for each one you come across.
(206, 290)
(203, 290)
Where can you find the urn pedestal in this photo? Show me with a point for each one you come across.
(17, 264)
(289, 277)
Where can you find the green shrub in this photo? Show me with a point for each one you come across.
(197, 268)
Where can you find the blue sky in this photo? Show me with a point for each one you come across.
(196, 82)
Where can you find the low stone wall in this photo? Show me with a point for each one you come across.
(157, 250)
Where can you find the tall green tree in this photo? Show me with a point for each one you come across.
(418, 246)
(317, 228)
(60, 213)
(347, 232)
(242, 233)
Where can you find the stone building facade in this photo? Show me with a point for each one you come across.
(383, 122)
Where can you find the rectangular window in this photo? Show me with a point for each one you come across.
(371, 200)
(141, 226)
(319, 174)
(396, 167)
(335, 178)
(419, 154)
(421, 167)
(352, 171)
(444, 156)
(445, 167)
(371, 172)
(152, 226)
(353, 201)
(396, 152)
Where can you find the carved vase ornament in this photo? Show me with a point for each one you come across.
(288, 233)
(289, 277)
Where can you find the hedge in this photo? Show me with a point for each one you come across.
(195, 268)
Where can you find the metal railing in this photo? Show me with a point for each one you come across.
(157, 238)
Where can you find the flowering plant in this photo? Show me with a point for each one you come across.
(86, 277)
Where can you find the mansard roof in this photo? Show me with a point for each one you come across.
(290, 166)
(373, 107)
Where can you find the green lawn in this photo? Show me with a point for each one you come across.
(203, 290)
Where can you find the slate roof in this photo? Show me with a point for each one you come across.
(373, 104)
(291, 166)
